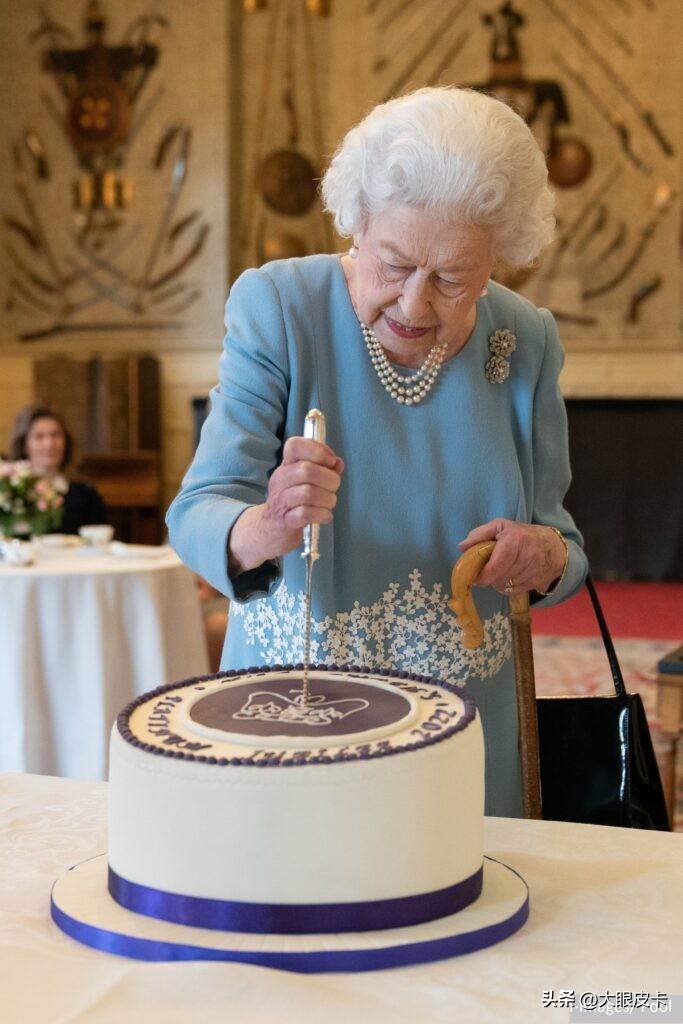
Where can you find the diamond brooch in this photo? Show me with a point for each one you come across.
(502, 344)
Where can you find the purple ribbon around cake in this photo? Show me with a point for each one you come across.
(312, 961)
(295, 919)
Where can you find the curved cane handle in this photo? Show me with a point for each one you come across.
(465, 572)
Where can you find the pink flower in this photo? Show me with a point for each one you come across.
(42, 505)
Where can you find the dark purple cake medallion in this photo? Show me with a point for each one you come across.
(274, 707)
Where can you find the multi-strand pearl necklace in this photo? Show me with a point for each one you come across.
(405, 389)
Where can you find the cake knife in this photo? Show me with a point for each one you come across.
(314, 428)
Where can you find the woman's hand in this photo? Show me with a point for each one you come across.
(532, 557)
(301, 491)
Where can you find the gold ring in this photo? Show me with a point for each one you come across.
(509, 585)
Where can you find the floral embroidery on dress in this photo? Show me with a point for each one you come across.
(412, 631)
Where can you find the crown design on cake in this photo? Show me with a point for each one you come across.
(266, 706)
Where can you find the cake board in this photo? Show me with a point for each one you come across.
(82, 908)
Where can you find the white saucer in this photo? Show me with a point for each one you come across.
(121, 550)
(82, 907)
(59, 541)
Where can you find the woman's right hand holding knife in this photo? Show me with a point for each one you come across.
(302, 490)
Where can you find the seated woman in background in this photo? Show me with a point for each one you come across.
(40, 436)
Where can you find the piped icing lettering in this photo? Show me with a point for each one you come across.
(276, 704)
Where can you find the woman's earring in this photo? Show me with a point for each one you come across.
(353, 251)
(485, 290)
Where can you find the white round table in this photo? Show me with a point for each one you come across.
(82, 634)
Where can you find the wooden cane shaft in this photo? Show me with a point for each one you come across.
(525, 683)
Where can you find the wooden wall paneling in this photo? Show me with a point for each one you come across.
(110, 409)
(63, 384)
(146, 426)
(16, 391)
(127, 406)
(184, 377)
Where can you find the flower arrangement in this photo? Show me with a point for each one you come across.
(29, 503)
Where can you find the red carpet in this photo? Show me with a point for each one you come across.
(650, 610)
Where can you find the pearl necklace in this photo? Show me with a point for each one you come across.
(405, 389)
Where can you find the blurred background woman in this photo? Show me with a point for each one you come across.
(40, 436)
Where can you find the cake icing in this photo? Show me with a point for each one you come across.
(245, 717)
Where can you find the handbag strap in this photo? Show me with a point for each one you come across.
(606, 639)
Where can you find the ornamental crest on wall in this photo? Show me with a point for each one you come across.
(97, 235)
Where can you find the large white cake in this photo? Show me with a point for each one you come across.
(231, 789)
(351, 824)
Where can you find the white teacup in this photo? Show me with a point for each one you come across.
(96, 536)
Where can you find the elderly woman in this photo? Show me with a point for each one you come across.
(445, 425)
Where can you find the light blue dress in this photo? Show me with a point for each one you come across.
(417, 480)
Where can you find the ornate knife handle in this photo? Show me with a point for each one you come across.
(315, 430)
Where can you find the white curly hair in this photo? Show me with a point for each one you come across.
(456, 152)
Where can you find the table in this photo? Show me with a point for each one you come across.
(81, 636)
(606, 913)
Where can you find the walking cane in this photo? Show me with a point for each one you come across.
(465, 572)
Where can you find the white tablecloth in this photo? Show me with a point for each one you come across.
(606, 914)
(80, 636)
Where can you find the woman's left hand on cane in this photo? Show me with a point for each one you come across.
(528, 556)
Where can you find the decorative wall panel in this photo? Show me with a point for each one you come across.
(113, 174)
(284, 130)
(600, 85)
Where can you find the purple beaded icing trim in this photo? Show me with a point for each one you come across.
(279, 758)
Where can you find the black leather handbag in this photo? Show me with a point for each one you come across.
(597, 762)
